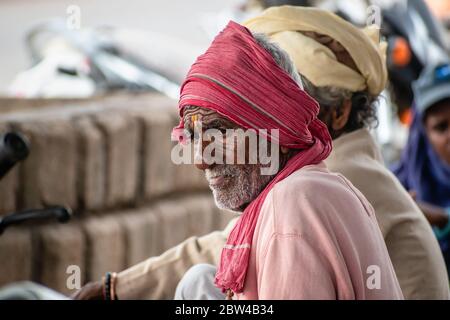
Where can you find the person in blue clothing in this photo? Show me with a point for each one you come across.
(424, 168)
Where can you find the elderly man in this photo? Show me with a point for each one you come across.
(304, 233)
(346, 108)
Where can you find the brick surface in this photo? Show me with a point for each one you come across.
(142, 234)
(91, 183)
(60, 246)
(106, 246)
(201, 214)
(158, 171)
(175, 223)
(200, 181)
(122, 145)
(48, 175)
(189, 178)
(223, 217)
(15, 255)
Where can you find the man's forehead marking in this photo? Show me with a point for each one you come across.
(206, 116)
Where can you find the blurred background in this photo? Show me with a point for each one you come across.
(176, 18)
(88, 93)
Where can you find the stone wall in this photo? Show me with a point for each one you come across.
(109, 160)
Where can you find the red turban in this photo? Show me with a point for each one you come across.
(240, 80)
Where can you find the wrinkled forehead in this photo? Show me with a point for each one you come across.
(194, 113)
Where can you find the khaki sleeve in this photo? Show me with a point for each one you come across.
(158, 277)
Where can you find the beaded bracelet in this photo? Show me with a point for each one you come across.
(112, 286)
(109, 282)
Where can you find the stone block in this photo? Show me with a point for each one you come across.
(223, 217)
(201, 214)
(122, 160)
(158, 170)
(175, 223)
(15, 256)
(105, 246)
(91, 183)
(48, 175)
(61, 248)
(142, 234)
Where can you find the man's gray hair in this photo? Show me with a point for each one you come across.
(327, 95)
(364, 105)
(363, 112)
(280, 56)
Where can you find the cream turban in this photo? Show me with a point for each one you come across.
(316, 61)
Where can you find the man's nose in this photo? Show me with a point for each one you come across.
(199, 159)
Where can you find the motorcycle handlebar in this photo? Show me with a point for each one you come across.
(62, 214)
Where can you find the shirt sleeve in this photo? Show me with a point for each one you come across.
(158, 277)
(292, 269)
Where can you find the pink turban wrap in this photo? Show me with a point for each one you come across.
(240, 80)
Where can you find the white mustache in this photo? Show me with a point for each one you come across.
(221, 171)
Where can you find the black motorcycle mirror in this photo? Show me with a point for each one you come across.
(14, 147)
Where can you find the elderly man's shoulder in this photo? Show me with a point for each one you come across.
(315, 194)
(312, 180)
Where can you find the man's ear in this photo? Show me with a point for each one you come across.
(340, 120)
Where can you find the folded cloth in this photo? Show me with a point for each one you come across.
(284, 26)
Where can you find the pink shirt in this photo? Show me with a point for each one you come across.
(317, 238)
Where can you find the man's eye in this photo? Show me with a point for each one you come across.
(222, 130)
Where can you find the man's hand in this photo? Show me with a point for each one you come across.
(91, 291)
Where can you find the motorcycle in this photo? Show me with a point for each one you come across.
(82, 63)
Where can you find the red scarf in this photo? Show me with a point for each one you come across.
(240, 80)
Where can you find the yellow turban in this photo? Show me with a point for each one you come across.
(317, 62)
